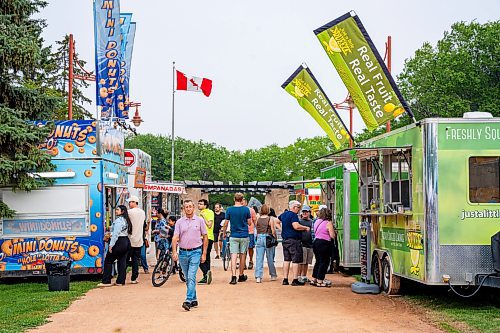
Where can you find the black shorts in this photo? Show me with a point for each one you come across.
(216, 235)
(292, 250)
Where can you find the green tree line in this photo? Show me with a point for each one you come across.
(214, 162)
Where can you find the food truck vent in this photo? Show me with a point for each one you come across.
(477, 114)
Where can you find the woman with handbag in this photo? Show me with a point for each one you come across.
(324, 233)
(119, 246)
(266, 233)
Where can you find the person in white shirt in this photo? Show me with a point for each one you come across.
(137, 217)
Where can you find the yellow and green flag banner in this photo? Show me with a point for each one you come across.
(363, 71)
(303, 86)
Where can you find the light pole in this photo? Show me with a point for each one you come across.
(347, 104)
(87, 76)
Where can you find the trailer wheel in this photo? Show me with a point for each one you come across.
(377, 270)
(390, 282)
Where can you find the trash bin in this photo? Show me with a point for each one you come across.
(58, 274)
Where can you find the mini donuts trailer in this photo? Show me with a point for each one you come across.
(66, 221)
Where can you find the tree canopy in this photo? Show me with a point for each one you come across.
(21, 55)
(460, 74)
(213, 162)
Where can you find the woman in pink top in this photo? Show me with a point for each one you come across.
(324, 233)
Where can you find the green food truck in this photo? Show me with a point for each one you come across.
(341, 196)
(430, 192)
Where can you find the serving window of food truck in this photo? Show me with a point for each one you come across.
(484, 179)
(56, 211)
(370, 183)
(397, 174)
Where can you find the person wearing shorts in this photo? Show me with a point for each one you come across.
(292, 245)
(239, 217)
(251, 236)
(307, 243)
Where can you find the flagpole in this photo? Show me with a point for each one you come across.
(173, 109)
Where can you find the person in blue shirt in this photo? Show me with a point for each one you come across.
(291, 232)
(240, 218)
(161, 232)
(119, 246)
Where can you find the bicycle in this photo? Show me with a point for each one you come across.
(164, 268)
(226, 258)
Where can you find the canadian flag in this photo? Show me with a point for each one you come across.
(198, 84)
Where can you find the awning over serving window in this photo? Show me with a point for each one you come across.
(351, 155)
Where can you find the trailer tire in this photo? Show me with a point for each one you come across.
(390, 282)
(377, 270)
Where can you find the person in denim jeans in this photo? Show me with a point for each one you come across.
(264, 227)
(188, 234)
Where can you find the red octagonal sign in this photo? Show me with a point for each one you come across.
(129, 158)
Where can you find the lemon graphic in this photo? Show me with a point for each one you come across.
(343, 132)
(398, 112)
(332, 43)
(389, 107)
(298, 92)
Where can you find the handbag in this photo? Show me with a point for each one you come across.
(271, 241)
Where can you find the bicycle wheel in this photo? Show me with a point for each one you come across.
(226, 260)
(162, 270)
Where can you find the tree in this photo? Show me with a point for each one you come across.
(53, 77)
(21, 56)
(460, 74)
(198, 160)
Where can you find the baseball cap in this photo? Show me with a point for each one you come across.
(321, 207)
(133, 198)
(306, 208)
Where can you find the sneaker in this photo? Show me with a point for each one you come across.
(186, 306)
(134, 282)
(233, 280)
(118, 284)
(103, 285)
(194, 304)
(250, 265)
(258, 280)
(209, 277)
(296, 282)
(242, 278)
(273, 278)
(285, 282)
(203, 281)
(217, 257)
(328, 282)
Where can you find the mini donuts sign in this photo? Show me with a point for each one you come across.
(71, 138)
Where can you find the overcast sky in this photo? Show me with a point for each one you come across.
(248, 49)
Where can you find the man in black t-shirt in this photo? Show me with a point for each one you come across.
(307, 243)
(219, 216)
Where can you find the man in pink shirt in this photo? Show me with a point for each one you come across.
(191, 236)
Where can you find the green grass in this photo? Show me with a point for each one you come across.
(27, 305)
(451, 313)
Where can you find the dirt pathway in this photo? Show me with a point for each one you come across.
(245, 307)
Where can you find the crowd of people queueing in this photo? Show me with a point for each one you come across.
(192, 237)
(245, 229)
